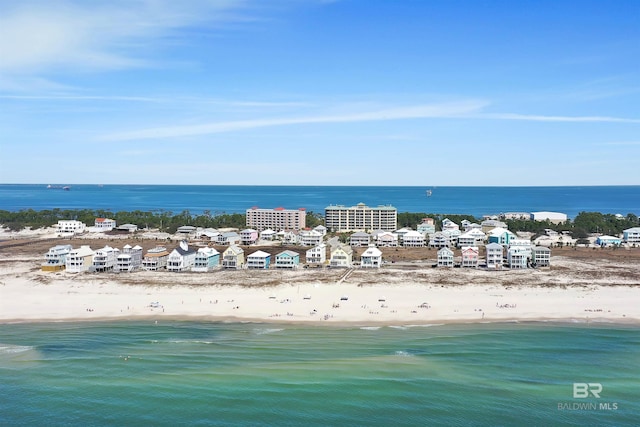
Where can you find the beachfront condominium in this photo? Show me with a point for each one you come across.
(276, 219)
(360, 218)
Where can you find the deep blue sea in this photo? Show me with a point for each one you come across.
(197, 373)
(476, 201)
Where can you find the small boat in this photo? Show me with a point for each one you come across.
(429, 193)
(66, 188)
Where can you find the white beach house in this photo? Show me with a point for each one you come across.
(541, 256)
(445, 257)
(371, 258)
(360, 238)
(631, 235)
(473, 237)
(181, 258)
(80, 259)
(104, 224)
(105, 259)
(518, 257)
(129, 259)
(413, 239)
(385, 239)
(70, 227)
(439, 240)
(494, 255)
(309, 237)
(317, 255)
(259, 260)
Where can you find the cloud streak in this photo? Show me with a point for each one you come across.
(446, 110)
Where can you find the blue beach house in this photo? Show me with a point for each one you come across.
(259, 260)
(287, 259)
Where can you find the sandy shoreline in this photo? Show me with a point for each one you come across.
(574, 291)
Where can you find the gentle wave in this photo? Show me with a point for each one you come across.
(403, 353)
(370, 328)
(267, 331)
(13, 349)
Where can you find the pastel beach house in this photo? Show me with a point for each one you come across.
(445, 257)
(129, 259)
(608, 241)
(470, 256)
(259, 260)
(287, 259)
(501, 236)
(181, 258)
(248, 236)
(317, 255)
(518, 257)
(79, 260)
(105, 259)
(341, 256)
(385, 239)
(426, 227)
(206, 260)
(233, 257)
(371, 258)
(155, 259)
(56, 258)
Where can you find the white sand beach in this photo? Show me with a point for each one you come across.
(573, 291)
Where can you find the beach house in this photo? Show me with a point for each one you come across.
(309, 237)
(473, 237)
(400, 232)
(248, 236)
(501, 236)
(359, 238)
(320, 229)
(413, 239)
(494, 255)
(233, 258)
(439, 240)
(385, 239)
(426, 227)
(181, 258)
(445, 257)
(206, 260)
(155, 259)
(518, 257)
(317, 255)
(56, 258)
(470, 256)
(608, 241)
(541, 256)
(129, 259)
(287, 259)
(80, 259)
(70, 227)
(631, 235)
(341, 256)
(259, 260)
(105, 259)
(268, 234)
(371, 258)
(229, 238)
(104, 224)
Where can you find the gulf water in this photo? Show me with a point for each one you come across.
(476, 201)
(198, 373)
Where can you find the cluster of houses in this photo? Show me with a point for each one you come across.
(501, 248)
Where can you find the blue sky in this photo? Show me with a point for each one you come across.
(311, 92)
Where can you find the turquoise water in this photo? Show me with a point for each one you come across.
(475, 201)
(197, 373)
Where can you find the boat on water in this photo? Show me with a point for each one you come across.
(66, 188)
(429, 193)
(58, 187)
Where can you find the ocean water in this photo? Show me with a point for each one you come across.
(198, 373)
(475, 201)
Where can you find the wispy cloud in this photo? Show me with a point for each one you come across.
(396, 113)
(540, 118)
(40, 36)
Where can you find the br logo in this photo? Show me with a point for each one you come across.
(582, 390)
